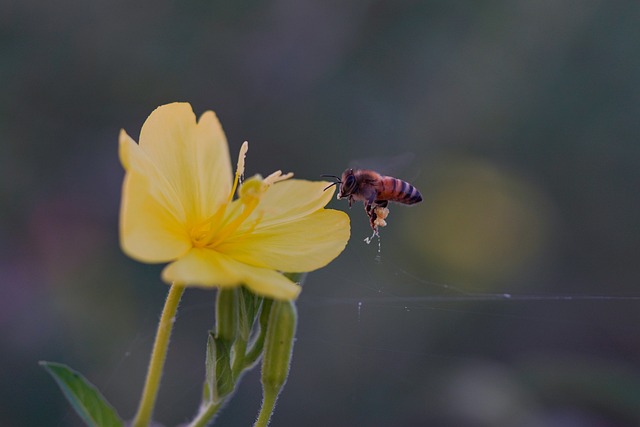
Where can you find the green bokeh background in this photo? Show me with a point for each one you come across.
(523, 123)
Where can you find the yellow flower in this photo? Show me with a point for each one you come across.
(178, 206)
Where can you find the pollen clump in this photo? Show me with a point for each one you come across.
(381, 215)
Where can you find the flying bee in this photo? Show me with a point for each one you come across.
(376, 191)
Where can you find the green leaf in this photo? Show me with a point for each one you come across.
(83, 396)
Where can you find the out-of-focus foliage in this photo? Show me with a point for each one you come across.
(523, 120)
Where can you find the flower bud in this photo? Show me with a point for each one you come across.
(227, 307)
(278, 347)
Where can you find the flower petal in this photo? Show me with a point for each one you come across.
(193, 157)
(135, 160)
(304, 244)
(202, 267)
(289, 200)
(148, 231)
(269, 283)
(214, 165)
(209, 268)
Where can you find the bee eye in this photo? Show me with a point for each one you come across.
(350, 182)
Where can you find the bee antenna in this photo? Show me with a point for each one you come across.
(337, 178)
(331, 185)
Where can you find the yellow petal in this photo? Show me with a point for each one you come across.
(289, 200)
(193, 158)
(209, 268)
(269, 283)
(202, 267)
(148, 231)
(135, 160)
(304, 244)
(214, 177)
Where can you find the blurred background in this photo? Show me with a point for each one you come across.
(509, 297)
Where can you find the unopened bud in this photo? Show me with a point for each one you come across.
(278, 347)
(227, 308)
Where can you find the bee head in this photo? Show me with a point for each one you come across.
(347, 183)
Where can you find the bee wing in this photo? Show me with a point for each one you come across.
(399, 166)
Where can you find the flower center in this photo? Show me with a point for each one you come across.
(215, 229)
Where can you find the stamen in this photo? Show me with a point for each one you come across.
(255, 223)
(204, 238)
(243, 153)
(239, 168)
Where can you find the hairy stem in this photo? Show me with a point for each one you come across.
(158, 357)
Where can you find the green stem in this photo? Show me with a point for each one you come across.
(268, 405)
(158, 356)
(206, 415)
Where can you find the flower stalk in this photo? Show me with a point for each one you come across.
(158, 357)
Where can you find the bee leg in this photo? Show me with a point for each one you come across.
(371, 213)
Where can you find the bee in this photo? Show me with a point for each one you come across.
(376, 191)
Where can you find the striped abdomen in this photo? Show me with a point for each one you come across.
(397, 190)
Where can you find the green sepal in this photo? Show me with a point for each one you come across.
(249, 306)
(224, 375)
(257, 345)
(219, 378)
(209, 391)
(83, 396)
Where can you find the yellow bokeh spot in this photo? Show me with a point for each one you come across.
(479, 225)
